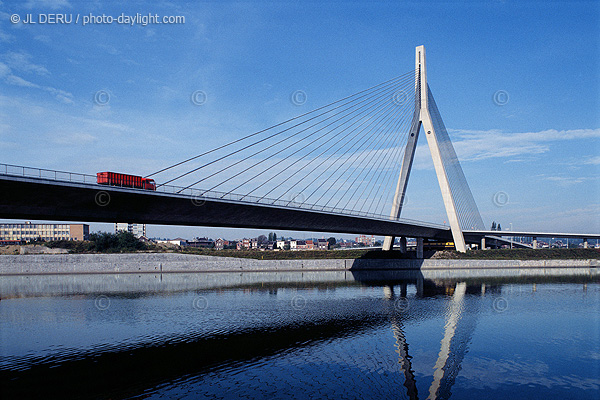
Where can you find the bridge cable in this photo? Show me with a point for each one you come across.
(369, 182)
(364, 121)
(390, 155)
(298, 141)
(400, 111)
(281, 141)
(351, 186)
(393, 170)
(279, 124)
(372, 130)
(269, 137)
(340, 169)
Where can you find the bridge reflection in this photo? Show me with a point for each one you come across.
(458, 330)
(127, 369)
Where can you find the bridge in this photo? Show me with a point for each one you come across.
(329, 170)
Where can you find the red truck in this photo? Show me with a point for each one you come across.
(116, 179)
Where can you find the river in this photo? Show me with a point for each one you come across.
(302, 335)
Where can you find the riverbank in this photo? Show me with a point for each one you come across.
(175, 262)
(355, 253)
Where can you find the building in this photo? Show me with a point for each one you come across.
(366, 240)
(281, 244)
(201, 242)
(298, 245)
(345, 244)
(322, 244)
(220, 243)
(138, 230)
(47, 232)
(175, 242)
(244, 244)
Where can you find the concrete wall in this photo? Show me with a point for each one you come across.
(170, 262)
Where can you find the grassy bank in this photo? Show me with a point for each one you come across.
(279, 255)
(103, 245)
(501, 254)
(522, 254)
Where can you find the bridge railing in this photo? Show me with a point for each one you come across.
(30, 172)
(199, 195)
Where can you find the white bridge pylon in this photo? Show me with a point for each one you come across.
(455, 190)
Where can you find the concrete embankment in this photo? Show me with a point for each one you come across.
(172, 262)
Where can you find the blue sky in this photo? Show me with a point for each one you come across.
(116, 97)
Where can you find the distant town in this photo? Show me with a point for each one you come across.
(27, 232)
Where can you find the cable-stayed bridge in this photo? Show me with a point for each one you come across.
(343, 168)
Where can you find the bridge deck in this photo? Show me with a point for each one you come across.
(47, 199)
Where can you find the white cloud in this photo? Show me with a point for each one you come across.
(568, 181)
(480, 145)
(4, 70)
(42, 38)
(21, 62)
(591, 161)
(74, 138)
(5, 37)
(473, 145)
(17, 81)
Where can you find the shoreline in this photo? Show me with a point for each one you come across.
(43, 264)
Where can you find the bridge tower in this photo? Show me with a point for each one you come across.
(459, 203)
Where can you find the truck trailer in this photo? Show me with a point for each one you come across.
(125, 180)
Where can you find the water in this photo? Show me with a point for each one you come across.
(363, 335)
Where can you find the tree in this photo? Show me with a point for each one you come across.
(499, 227)
(493, 225)
(331, 241)
(270, 236)
(262, 239)
(274, 237)
(116, 242)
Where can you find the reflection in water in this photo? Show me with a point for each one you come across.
(458, 330)
(296, 335)
(401, 345)
(453, 345)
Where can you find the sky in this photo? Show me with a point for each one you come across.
(517, 84)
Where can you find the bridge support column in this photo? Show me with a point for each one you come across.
(419, 247)
(585, 243)
(388, 243)
(534, 243)
(483, 243)
(403, 244)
